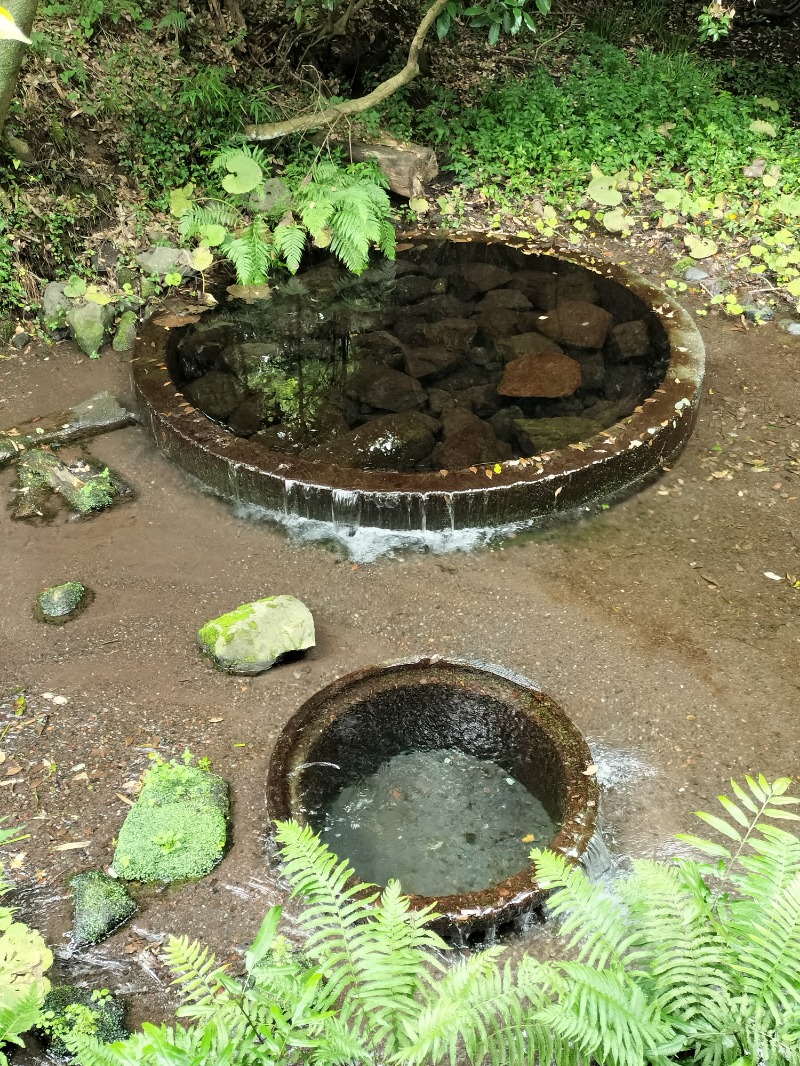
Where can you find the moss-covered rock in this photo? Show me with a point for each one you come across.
(60, 603)
(126, 332)
(253, 637)
(100, 905)
(546, 434)
(96, 1012)
(178, 828)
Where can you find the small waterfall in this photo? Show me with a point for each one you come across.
(597, 860)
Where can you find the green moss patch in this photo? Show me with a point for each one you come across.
(101, 904)
(60, 603)
(69, 1008)
(178, 829)
(251, 638)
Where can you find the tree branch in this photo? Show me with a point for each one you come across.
(328, 116)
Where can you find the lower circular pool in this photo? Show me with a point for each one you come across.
(442, 775)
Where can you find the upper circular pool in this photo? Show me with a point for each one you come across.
(468, 383)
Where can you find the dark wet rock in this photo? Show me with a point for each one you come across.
(216, 393)
(254, 636)
(464, 378)
(502, 423)
(385, 389)
(20, 340)
(454, 333)
(757, 313)
(466, 440)
(443, 305)
(577, 285)
(410, 289)
(354, 320)
(538, 286)
(387, 442)
(107, 1011)
(626, 381)
(166, 260)
(438, 399)
(380, 347)
(252, 414)
(430, 362)
(287, 439)
(488, 359)
(526, 344)
(100, 905)
(483, 276)
(606, 412)
(55, 304)
(61, 603)
(247, 360)
(482, 400)
(498, 323)
(593, 367)
(538, 435)
(125, 333)
(89, 324)
(629, 340)
(547, 374)
(506, 299)
(579, 324)
(105, 258)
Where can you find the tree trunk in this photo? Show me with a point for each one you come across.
(12, 53)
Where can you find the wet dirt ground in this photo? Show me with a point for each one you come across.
(653, 623)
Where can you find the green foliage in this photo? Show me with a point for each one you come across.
(69, 1012)
(344, 208)
(177, 829)
(24, 959)
(97, 494)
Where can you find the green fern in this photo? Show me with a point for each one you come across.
(290, 243)
(252, 253)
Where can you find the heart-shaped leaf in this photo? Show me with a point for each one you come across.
(97, 296)
(765, 101)
(180, 200)
(670, 198)
(758, 125)
(700, 247)
(202, 258)
(602, 191)
(793, 288)
(419, 204)
(245, 173)
(667, 220)
(211, 235)
(616, 221)
(75, 287)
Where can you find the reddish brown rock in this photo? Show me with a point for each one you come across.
(484, 276)
(549, 374)
(577, 323)
(467, 440)
(386, 389)
(509, 299)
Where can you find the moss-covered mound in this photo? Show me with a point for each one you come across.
(178, 828)
(100, 904)
(256, 635)
(95, 1012)
(60, 603)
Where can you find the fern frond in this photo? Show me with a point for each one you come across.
(251, 253)
(290, 242)
(20, 1010)
(373, 953)
(608, 1017)
(211, 213)
(195, 971)
(593, 921)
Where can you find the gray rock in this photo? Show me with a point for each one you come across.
(251, 639)
(89, 324)
(60, 603)
(273, 198)
(166, 260)
(429, 362)
(20, 340)
(790, 326)
(502, 423)
(105, 258)
(694, 273)
(438, 399)
(126, 332)
(55, 304)
(216, 393)
(100, 905)
(756, 313)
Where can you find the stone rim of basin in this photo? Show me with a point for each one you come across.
(516, 896)
(517, 491)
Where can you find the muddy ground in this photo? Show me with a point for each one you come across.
(653, 624)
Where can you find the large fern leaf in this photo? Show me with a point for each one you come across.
(374, 953)
(252, 253)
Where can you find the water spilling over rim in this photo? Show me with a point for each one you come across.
(509, 494)
(346, 730)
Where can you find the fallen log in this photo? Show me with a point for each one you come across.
(100, 414)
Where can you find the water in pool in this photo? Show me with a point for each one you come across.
(441, 822)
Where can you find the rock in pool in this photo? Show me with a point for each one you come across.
(251, 639)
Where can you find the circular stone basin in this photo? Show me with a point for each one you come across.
(349, 764)
(470, 384)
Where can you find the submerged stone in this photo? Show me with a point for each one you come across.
(100, 905)
(251, 639)
(549, 374)
(106, 1011)
(60, 603)
(387, 442)
(548, 434)
(577, 323)
(178, 828)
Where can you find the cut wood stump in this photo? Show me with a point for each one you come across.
(407, 166)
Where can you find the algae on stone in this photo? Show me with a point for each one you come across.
(178, 828)
(100, 905)
(68, 1006)
(546, 434)
(255, 635)
(60, 603)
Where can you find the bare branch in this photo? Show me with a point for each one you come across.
(328, 116)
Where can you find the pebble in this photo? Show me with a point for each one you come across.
(696, 274)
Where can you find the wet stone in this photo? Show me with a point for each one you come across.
(527, 344)
(484, 276)
(216, 393)
(629, 340)
(538, 435)
(381, 347)
(467, 440)
(385, 389)
(61, 603)
(454, 333)
(548, 374)
(254, 636)
(107, 1010)
(577, 323)
(411, 288)
(387, 442)
(100, 905)
(430, 362)
(505, 299)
